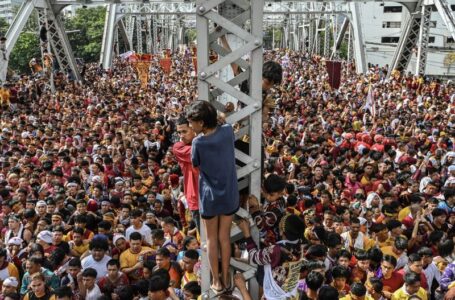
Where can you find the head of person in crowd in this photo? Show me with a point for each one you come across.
(98, 248)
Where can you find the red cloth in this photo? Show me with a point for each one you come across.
(182, 153)
(393, 283)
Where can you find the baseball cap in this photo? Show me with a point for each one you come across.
(45, 236)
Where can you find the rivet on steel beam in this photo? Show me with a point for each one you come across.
(203, 75)
(256, 164)
(205, 296)
(201, 9)
(255, 105)
(257, 43)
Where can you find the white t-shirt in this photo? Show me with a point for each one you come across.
(94, 293)
(145, 231)
(99, 266)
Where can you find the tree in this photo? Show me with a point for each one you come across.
(449, 60)
(3, 26)
(26, 48)
(27, 45)
(86, 42)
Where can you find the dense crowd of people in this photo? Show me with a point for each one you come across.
(99, 186)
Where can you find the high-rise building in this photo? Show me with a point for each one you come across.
(8, 9)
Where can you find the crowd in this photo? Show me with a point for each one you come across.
(99, 186)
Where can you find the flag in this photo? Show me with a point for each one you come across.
(370, 104)
(334, 71)
(166, 64)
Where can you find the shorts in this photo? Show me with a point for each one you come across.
(228, 214)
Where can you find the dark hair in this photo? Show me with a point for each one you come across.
(113, 262)
(392, 224)
(99, 243)
(136, 213)
(187, 240)
(80, 219)
(414, 257)
(169, 220)
(327, 292)
(193, 287)
(377, 284)
(425, 251)
(105, 225)
(149, 264)
(75, 262)
(14, 296)
(202, 111)
(358, 289)
(182, 121)
(64, 291)
(158, 234)
(411, 278)
(141, 287)
(344, 253)
(333, 239)
(314, 280)
(192, 254)
(340, 272)
(355, 220)
(291, 200)
(124, 292)
(36, 260)
(362, 255)
(390, 259)
(272, 71)
(89, 272)
(401, 243)
(274, 183)
(135, 236)
(159, 281)
(438, 212)
(446, 247)
(163, 252)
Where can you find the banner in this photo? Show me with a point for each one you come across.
(166, 65)
(334, 71)
(195, 64)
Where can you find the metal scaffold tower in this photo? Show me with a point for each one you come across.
(216, 18)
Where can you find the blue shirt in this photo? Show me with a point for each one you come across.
(214, 156)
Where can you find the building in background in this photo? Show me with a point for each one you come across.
(382, 25)
(8, 9)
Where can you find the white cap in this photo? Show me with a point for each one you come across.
(15, 241)
(118, 237)
(11, 281)
(41, 203)
(45, 236)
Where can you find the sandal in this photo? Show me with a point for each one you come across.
(217, 292)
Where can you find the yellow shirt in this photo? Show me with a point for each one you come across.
(348, 297)
(188, 277)
(388, 250)
(129, 259)
(401, 294)
(80, 249)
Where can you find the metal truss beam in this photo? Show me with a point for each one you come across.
(60, 44)
(13, 34)
(424, 36)
(107, 46)
(359, 46)
(407, 42)
(56, 34)
(340, 37)
(210, 86)
(446, 15)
